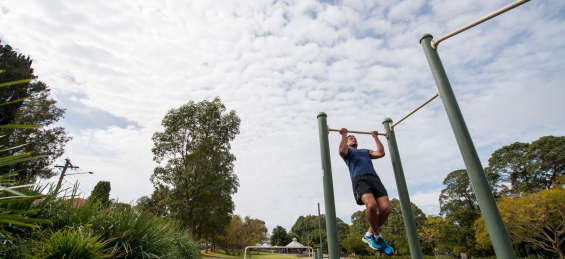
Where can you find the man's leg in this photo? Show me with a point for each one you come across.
(371, 213)
(383, 203)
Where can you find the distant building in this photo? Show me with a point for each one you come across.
(76, 202)
(295, 243)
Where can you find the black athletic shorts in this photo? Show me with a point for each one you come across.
(367, 183)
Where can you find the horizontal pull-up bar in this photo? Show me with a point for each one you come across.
(413, 111)
(479, 21)
(354, 131)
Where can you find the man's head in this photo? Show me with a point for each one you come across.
(351, 141)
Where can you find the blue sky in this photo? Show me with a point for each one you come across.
(117, 67)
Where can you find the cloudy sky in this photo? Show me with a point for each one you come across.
(119, 66)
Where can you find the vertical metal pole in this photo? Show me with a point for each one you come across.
(67, 162)
(320, 224)
(491, 214)
(331, 224)
(405, 204)
(315, 253)
(320, 253)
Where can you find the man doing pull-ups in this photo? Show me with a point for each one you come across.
(367, 187)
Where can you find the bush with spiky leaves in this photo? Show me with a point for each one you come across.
(71, 243)
(133, 233)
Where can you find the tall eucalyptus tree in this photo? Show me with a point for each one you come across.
(195, 148)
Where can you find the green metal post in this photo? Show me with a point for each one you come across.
(331, 224)
(320, 224)
(405, 204)
(320, 253)
(315, 253)
(491, 214)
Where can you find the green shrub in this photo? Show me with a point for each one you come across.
(70, 243)
(133, 233)
(101, 192)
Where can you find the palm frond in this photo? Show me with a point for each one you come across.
(15, 101)
(20, 126)
(16, 82)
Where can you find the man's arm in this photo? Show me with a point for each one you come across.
(380, 152)
(343, 143)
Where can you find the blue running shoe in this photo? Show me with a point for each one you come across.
(370, 240)
(383, 246)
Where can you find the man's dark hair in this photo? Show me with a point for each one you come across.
(348, 136)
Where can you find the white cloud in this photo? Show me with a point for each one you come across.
(277, 66)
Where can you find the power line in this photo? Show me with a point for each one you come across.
(83, 183)
(88, 178)
(87, 183)
(77, 186)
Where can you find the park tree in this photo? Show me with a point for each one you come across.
(359, 224)
(279, 237)
(536, 218)
(145, 203)
(216, 226)
(458, 200)
(394, 230)
(458, 195)
(155, 203)
(101, 192)
(527, 168)
(240, 233)
(230, 241)
(40, 109)
(342, 229)
(314, 239)
(306, 226)
(459, 204)
(530, 167)
(352, 244)
(16, 67)
(430, 232)
(195, 147)
(214, 219)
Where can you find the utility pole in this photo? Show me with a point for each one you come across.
(67, 165)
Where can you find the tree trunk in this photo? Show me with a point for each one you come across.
(199, 231)
(434, 251)
(553, 176)
(190, 225)
(213, 245)
(206, 243)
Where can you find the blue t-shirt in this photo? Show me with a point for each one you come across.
(359, 162)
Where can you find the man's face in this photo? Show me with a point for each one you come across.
(352, 142)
